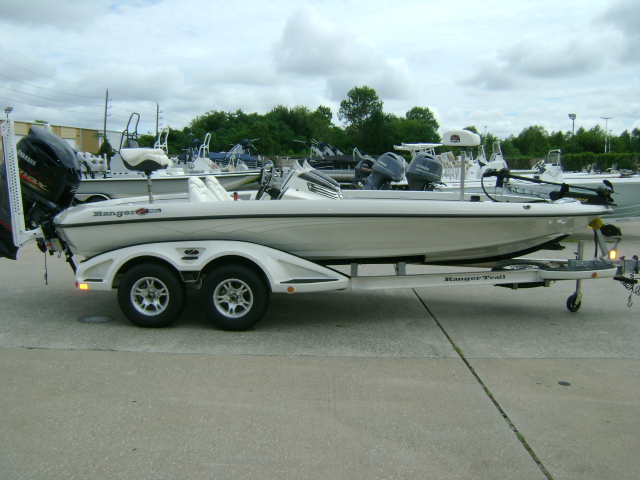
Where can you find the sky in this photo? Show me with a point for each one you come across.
(500, 66)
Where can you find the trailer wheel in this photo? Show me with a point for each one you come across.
(234, 297)
(151, 296)
(573, 304)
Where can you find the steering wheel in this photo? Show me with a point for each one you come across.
(266, 174)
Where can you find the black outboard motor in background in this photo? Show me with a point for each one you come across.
(362, 171)
(424, 172)
(49, 179)
(386, 169)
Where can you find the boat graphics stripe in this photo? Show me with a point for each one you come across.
(110, 220)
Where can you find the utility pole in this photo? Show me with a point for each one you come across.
(606, 132)
(106, 107)
(158, 118)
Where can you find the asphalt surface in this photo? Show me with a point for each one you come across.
(471, 382)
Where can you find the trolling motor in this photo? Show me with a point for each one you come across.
(592, 196)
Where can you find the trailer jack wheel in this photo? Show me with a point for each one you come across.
(573, 304)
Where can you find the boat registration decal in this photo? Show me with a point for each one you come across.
(122, 213)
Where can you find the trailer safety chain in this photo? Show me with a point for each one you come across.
(631, 283)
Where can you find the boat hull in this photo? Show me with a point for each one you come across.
(333, 231)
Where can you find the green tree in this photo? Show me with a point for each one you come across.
(418, 126)
(321, 124)
(509, 150)
(106, 149)
(360, 106)
(364, 118)
(533, 141)
(635, 141)
(488, 141)
(591, 141)
(559, 140)
(422, 115)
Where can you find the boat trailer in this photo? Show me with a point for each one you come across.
(235, 279)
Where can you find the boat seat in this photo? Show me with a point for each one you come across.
(198, 191)
(92, 162)
(218, 190)
(144, 159)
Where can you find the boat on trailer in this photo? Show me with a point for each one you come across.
(237, 252)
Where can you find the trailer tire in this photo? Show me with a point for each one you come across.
(234, 297)
(151, 295)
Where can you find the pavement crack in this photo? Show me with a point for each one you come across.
(490, 395)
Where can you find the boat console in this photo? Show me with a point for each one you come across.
(300, 183)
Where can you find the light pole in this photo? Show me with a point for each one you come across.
(606, 132)
(572, 116)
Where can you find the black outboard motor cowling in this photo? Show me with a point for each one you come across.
(362, 171)
(49, 179)
(424, 172)
(388, 168)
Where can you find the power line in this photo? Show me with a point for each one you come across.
(50, 108)
(137, 106)
(51, 99)
(48, 89)
(177, 118)
(64, 81)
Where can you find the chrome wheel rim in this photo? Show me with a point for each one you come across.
(233, 298)
(150, 296)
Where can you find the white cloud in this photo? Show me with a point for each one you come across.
(313, 47)
(482, 65)
(59, 14)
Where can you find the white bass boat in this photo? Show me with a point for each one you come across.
(323, 226)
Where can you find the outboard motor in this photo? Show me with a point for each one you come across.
(388, 168)
(188, 154)
(362, 171)
(424, 172)
(49, 179)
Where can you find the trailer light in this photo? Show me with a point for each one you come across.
(83, 286)
(613, 254)
(594, 274)
(291, 289)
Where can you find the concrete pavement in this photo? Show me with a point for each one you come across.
(455, 383)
